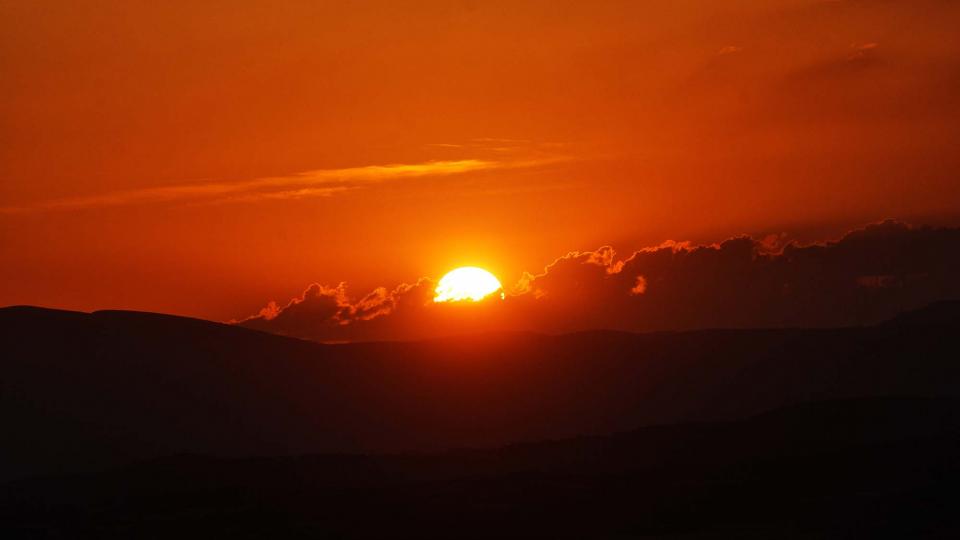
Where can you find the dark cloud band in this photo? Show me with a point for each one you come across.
(868, 275)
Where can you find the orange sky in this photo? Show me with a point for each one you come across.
(202, 159)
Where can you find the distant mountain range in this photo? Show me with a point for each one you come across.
(139, 425)
(85, 391)
(865, 468)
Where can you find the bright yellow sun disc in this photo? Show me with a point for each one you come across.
(466, 283)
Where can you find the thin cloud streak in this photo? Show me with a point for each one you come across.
(286, 195)
(317, 183)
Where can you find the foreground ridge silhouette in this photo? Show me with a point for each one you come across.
(855, 468)
(123, 424)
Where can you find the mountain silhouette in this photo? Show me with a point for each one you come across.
(85, 391)
(865, 468)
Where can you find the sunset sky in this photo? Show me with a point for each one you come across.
(203, 159)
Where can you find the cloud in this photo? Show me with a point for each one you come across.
(328, 314)
(729, 49)
(290, 194)
(640, 287)
(316, 183)
(861, 50)
(868, 275)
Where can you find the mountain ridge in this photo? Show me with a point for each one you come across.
(117, 387)
(874, 474)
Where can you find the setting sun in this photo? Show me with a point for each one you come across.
(466, 283)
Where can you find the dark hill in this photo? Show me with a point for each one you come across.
(943, 313)
(868, 468)
(83, 391)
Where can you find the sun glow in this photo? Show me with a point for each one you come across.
(467, 283)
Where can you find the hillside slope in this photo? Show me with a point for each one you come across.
(83, 391)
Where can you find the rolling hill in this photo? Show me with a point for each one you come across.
(82, 392)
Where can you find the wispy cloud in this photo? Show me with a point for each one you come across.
(316, 183)
(289, 194)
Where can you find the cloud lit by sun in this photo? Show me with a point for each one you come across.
(466, 283)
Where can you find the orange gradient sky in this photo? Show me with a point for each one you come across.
(203, 158)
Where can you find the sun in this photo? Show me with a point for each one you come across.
(467, 283)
